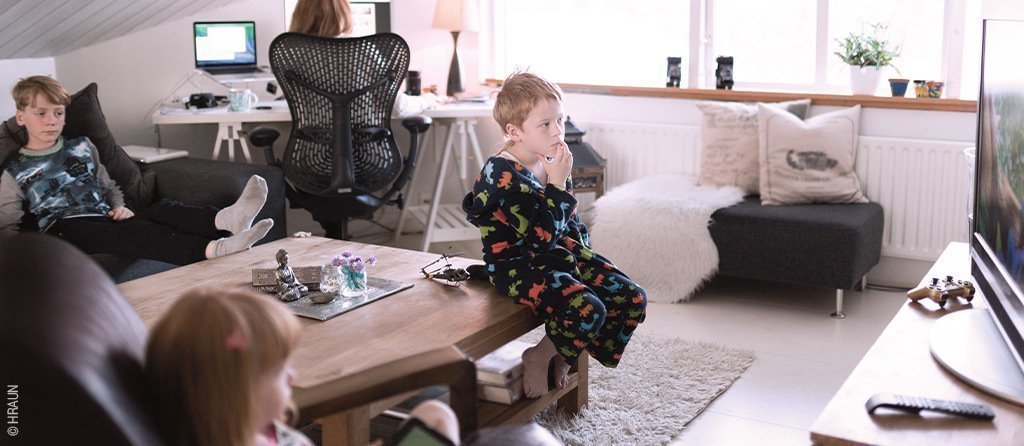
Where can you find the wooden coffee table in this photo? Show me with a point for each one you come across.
(430, 315)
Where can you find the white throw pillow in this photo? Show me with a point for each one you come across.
(729, 148)
(809, 161)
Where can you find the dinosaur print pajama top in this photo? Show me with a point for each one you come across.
(538, 252)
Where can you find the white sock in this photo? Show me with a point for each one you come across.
(239, 216)
(243, 240)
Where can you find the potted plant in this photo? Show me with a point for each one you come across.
(866, 54)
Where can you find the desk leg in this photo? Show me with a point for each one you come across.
(462, 153)
(238, 134)
(449, 144)
(346, 428)
(576, 399)
(231, 142)
(476, 144)
(222, 134)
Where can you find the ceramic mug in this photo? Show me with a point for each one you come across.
(920, 88)
(242, 99)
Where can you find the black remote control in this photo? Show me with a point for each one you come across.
(916, 404)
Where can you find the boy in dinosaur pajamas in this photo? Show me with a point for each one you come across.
(536, 248)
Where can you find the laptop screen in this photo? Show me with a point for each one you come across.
(219, 44)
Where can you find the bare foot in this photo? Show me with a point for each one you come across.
(535, 368)
(561, 371)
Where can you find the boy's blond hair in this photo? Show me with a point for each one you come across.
(324, 18)
(519, 94)
(26, 91)
(205, 360)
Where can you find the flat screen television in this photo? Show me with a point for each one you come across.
(991, 350)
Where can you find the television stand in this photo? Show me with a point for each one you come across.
(900, 362)
(963, 343)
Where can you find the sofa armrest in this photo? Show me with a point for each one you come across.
(203, 182)
(445, 366)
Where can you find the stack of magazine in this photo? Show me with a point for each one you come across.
(499, 374)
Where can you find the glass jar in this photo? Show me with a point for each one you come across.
(330, 279)
(353, 283)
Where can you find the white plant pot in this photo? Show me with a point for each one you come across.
(864, 80)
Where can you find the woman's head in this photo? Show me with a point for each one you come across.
(215, 361)
(324, 18)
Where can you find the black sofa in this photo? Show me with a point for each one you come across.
(188, 180)
(826, 245)
(202, 182)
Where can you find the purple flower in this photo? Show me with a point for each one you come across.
(356, 264)
(353, 262)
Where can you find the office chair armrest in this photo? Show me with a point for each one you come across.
(417, 123)
(445, 366)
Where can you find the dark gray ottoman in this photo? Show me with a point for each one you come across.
(826, 245)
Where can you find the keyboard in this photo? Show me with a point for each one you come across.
(232, 70)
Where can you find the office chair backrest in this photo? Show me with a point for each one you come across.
(71, 349)
(340, 92)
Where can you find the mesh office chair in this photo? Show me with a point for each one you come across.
(342, 160)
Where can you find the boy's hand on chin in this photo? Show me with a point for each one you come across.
(120, 213)
(559, 166)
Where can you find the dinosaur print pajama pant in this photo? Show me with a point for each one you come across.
(594, 308)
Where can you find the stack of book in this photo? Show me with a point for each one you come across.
(499, 374)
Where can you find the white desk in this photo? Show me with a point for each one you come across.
(441, 223)
(448, 223)
(229, 123)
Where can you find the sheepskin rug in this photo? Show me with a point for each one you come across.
(656, 231)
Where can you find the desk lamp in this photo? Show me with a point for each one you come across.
(455, 16)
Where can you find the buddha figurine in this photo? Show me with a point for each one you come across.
(288, 286)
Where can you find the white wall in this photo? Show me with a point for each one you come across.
(137, 71)
(13, 70)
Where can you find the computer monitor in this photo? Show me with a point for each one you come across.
(224, 44)
(368, 17)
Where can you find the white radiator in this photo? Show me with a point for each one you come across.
(921, 184)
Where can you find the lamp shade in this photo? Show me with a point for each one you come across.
(456, 15)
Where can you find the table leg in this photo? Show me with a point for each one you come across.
(346, 428)
(462, 153)
(476, 144)
(576, 399)
(222, 134)
(239, 134)
(428, 232)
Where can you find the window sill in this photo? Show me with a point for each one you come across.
(940, 104)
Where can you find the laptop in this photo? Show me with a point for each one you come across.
(227, 50)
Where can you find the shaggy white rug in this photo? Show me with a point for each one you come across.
(655, 230)
(659, 387)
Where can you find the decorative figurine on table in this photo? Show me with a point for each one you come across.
(288, 286)
(451, 276)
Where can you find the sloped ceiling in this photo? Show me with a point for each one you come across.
(48, 28)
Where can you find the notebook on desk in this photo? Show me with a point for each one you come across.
(227, 51)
